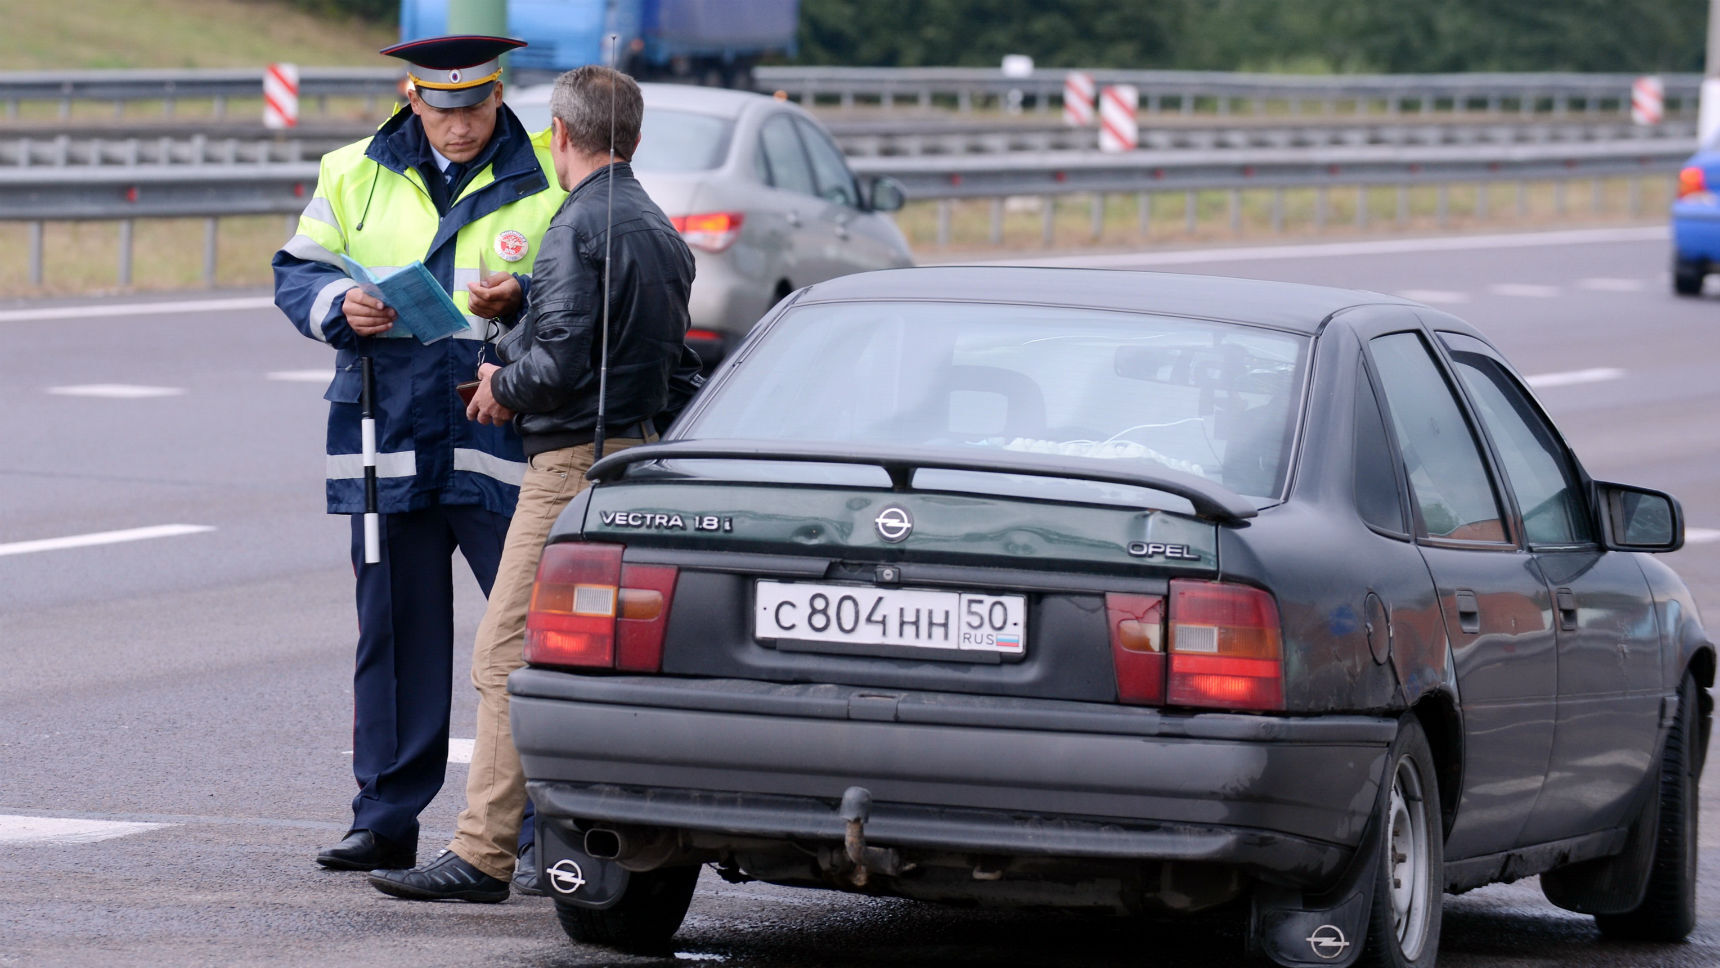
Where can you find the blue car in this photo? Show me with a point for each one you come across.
(1696, 221)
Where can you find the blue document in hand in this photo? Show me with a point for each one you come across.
(415, 296)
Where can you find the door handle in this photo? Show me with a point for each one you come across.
(1468, 611)
(841, 231)
(1567, 601)
(793, 219)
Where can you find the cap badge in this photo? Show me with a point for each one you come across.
(511, 245)
(453, 77)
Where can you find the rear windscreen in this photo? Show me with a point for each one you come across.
(1217, 400)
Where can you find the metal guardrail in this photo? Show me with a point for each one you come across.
(37, 195)
(1226, 92)
(1185, 91)
(184, 144)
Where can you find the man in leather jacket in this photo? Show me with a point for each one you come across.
(548, 388)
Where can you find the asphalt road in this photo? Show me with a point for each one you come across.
(197, 677)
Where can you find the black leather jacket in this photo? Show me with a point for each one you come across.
(549, 376)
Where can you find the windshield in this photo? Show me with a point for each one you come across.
(1217, 400)
(669, 140)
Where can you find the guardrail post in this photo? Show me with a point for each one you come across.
(1442, 204)
(1635, 199)
(220, 105)
(12, 109)
(1048, 228)
(1480, 200)
(1320, 203)
(925, 98)
(1191, 210)
(1522, 198)
(36, 254)
(125, 253)
(964, 101)
(1559, 196)
(1361, 206)
(1098, 227)
(997, 220)
(1402, 204)
(943, 223)
(209, 230)
(1144, 203)
(1597, 196)
(1236, 211)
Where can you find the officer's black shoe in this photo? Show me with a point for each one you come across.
(526, 874)
(363, 850)
(447, 878)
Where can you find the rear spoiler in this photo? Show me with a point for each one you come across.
(1210, 500)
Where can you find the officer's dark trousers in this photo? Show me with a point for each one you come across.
(403, 681)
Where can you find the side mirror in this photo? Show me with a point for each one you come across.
(1638, 519)
(886, 194)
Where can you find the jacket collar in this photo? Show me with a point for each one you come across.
(622, 170)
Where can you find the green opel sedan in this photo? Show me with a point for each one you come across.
(1124, 591)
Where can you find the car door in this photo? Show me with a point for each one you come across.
(1497, 609)
(864, 240)
(1608, 645)
(791, 204)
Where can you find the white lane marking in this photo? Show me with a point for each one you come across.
(16, 829)
(102, 538)
(1604, 284)
(1433, 296)
(135, 309)
(1320, 250)
(1599, 374)
(1701, 535)
(303, 376)
(116, 391)
(1524, 290)
(460, 750)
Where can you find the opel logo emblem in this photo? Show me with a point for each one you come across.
(894, 523)
(565, 876)
(1327, 941)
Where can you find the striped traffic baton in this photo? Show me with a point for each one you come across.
(367, 429)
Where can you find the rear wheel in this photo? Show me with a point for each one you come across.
(1403, 923)
(1668, 908)
(646, 917)
(1687, 276)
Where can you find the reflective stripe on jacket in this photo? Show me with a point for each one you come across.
(372, 204)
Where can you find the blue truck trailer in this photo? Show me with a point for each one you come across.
(713, 42)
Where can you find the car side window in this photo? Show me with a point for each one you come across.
(1449, 485)
(787, 160)
(1377, 496)
(1536, 467)
(835, 181)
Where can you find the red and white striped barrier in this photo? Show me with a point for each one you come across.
(281, 96)
(1078, 99)
(1117, 128)
(1647, 99)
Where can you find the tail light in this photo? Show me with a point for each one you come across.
(591, 611)
(713, 231)
(704, 335)
(1137, 624)
(1691, 181)
(1226, 647)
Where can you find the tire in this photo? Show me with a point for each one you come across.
(1687, 276)
(1668, 908)
(643, 921)
(1405, 916)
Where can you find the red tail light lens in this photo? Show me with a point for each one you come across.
(1137, 624)
(712, 231)
(1691, 181)
(1226, 647)
(589, 610)
(704, 335)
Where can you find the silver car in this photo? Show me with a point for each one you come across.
(760, 192)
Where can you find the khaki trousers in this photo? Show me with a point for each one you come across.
(489, 825)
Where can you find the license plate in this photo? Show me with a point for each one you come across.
(914, 617)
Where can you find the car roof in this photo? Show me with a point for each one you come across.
(719, 101)
(1286, 305)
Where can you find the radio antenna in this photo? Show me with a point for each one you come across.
(608, 227)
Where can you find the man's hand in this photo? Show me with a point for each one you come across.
(484, 408)
(366, 314)
(498, 295)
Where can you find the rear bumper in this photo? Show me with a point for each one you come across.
(1696, 231)
(1284, 799)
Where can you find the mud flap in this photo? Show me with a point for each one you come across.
(1295, 929)
(572, 876)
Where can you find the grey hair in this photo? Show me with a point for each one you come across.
(582, 100)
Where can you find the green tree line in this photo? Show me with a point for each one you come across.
(1318, 36)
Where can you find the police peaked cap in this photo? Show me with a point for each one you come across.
(453, 72)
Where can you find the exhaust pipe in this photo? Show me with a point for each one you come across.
(634, 848)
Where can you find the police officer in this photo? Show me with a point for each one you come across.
(452, 180)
